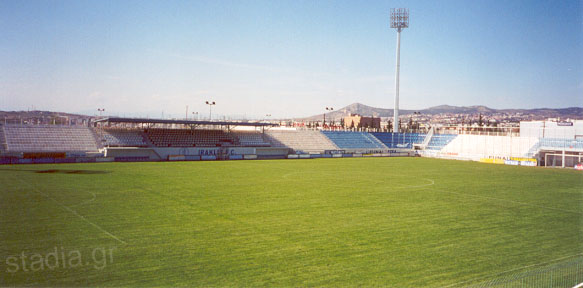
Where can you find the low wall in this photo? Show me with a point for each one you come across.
(272, 152)
(144, 154)
(131, 154)
(164, 152)
(475, 147)
(511, 161)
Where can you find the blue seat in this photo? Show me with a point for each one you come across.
(399, 140)
(354, 140)
(438, 141)
(561, 143)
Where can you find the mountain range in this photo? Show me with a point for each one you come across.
(364, 110)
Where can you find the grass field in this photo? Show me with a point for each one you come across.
(326, 222)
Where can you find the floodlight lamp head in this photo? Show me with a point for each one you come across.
(399, 18)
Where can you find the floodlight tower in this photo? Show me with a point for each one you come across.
(399, 20)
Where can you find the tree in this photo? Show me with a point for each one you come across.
(480, 120)
(342, 122)
(352, 125)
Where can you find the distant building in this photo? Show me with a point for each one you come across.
(358, 121)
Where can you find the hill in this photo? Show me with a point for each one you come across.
(538, 113)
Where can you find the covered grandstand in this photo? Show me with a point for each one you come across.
(164, 139)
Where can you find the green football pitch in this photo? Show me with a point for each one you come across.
(324, 222)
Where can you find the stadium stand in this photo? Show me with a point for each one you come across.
(28, 140)
(354, 140)
(399, 140)
(119, 137)
(300, 140)
(2, 140)
(438, 141)
(534, 150)
(189, 138)
(558, 143)
(250, 139)
(48, 138)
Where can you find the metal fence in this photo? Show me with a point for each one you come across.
(564, 274)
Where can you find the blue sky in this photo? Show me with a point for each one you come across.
(286, 58)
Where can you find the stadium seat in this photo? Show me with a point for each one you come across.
(120, 137)
(250, 139)
(305, 141)
(399, 140)
(48, 138)
(162, 137)
(438, 141)
(559, 143)
(354, 140)
(2, 140)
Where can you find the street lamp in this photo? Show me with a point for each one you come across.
(101, 110)
(211, 103)
(194, 113)
(327, 109)
(267, 116)
(417, 115)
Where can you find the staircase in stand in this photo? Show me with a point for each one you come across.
(427, 139)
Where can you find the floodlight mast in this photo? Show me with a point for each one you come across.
(399, 20)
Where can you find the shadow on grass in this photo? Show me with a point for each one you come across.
(60, 171)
